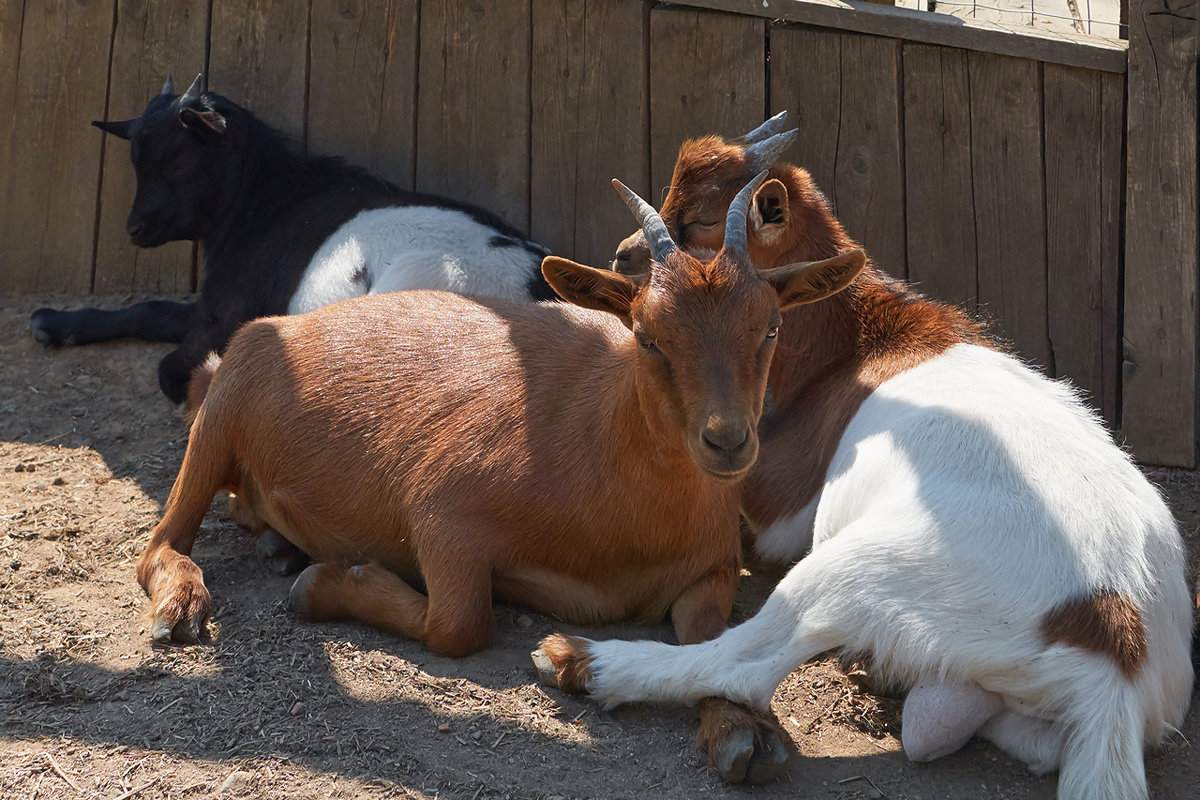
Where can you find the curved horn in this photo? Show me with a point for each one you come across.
(735, 220)
(168, 87)
(193, 92)
(762, 155)
(768, 129)
(655, 230)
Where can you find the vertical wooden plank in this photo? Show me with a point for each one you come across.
(51, 166)
(1010, 225)
(850, 123)
(11, 13)
(362, 88)
(589, 123)
(707, 75)
(940, 198)
(150, 41)
(257, 58)
(1158, 413)
(1112, 203)
(473, 104)
(805, 80)
(1083, 166)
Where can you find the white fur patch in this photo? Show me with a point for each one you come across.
(413, 247)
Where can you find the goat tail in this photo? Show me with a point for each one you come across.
(197, 389)
(1104, 726)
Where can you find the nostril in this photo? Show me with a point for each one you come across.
(134, 227)
(624, 255)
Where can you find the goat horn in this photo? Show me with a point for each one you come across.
(168, 87)
(735, 220)
(193, 92)
(655, 230)
(768, 129)
(762, 155)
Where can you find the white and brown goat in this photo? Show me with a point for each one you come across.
(964, 521)
(585, 464)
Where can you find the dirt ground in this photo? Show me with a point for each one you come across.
(277, 707)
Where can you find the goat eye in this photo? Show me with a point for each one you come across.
(649, 346)
(773, 331)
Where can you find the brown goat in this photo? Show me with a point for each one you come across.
(830, 355)
(584, 464)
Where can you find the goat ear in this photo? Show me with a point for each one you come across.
(810, 281)
(209, 124)
(122, 130)
(769, 212)
(588, 287)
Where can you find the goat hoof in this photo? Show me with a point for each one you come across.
(43, 331)
(769, 761)
(546, 671)
(180, 602)
(184, 631)
(733, 757)
(298, 595)
(160, 631)
(564, 662)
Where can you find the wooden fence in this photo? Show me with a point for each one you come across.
(1049, 182)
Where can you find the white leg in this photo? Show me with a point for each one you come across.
(1034, 741)
(804, 616)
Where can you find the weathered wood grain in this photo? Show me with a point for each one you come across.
(51, 169)
(1083, 124)
(473, 104)
(849, 116)
(258, 58)
(590, 123)
(150, 40)
(363, 84)
(940, 205)
(806, 82)
(1159, 389)
(707, 75)
(1008, 180)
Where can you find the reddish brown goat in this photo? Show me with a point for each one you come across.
(831, 355)
(583, 464)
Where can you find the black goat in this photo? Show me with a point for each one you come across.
(282, 233)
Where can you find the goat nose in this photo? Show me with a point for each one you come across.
(134, 226)
(725, 438)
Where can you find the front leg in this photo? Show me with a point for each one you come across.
(151, 321)
(743, 745)
(179, 600)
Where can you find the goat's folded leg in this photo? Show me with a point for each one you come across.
(455, 619)
(742, 745)
(179, 601)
